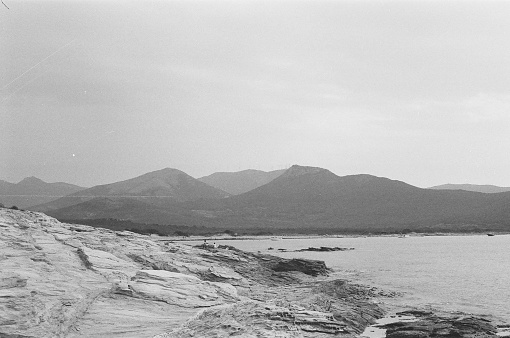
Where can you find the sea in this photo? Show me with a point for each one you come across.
(468, 273)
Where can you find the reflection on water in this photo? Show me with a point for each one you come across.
(452, 273)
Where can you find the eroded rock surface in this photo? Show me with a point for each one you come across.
(68, 280)
(428, 324)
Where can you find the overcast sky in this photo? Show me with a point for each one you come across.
(100, 91)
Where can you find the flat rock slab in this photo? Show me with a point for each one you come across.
(106, 263)
(119, 316)
(180, 289)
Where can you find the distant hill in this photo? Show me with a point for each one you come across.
(32, 191)
(488, 189)
(240, 182)
(312, 200)
(160, 187)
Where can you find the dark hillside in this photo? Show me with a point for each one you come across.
(315, 200)
(240, 182)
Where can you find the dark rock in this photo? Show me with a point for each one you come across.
(416, 313)
(12, 282)
(308, 267)
(84, 258)
(14, 335)
(431, 325)
(324, 249)
(154, 264)
(407, 334)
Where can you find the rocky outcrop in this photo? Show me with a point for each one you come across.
(180, 289)
(308, 267)
(257, 319)
(427, 324)
(62, 280)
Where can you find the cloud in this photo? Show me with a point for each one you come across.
(488, 107)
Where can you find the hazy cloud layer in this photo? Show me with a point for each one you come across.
(93, 92)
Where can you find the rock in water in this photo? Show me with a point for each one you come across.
(308, 267)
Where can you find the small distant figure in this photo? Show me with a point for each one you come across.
(205, 243)
(215, 245)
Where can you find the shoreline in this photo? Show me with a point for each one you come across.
(69, 280)
(293, 237)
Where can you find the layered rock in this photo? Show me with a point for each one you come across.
(424, 324)
(180, 289)
(68, 280)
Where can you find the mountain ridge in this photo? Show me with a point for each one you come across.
(168, 185)
(314, 198)
(484, 188)
(32, 191)
(305, 199)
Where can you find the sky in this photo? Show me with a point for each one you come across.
(94, 92)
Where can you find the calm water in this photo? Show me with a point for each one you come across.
(452, 273)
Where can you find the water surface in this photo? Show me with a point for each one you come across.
(452, 273)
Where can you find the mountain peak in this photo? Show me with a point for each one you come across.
(31, 180)
(166, 171)
(298, 170)
(486, 188)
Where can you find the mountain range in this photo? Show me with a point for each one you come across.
(485, 188)
(313, 198)
(157, 189)
(32, 191)
(301, 199)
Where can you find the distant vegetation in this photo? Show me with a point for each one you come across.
(141, 228)
(165, 230)
(186, 231)
(147, 229)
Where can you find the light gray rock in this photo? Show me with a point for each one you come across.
(180, 289)
(69, 280)
(60, 280)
